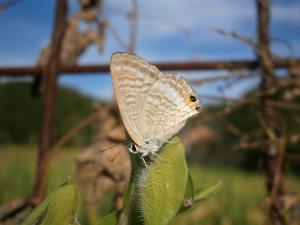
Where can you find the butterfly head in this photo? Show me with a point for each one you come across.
(149, 146)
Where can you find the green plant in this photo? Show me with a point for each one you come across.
(160, 193)
(59, 208)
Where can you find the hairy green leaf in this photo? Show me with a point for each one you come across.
(162, 186)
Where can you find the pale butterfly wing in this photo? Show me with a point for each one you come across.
(167, 106)
(132, 78)
(154, 106)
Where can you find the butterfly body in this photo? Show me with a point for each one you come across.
(150, 146)
(153, 105)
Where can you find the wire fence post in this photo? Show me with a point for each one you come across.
(274, 148)
(50, 74)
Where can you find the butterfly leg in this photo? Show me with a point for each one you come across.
(157, 155)
(144, 161)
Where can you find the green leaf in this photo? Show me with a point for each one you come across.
(199, 196)
(189, 187)
(189, 195)
(61, 207)
(162, 186)
(110, 219)
(37, 214)
(205, 193)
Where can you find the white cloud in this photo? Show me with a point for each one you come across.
(192, 15)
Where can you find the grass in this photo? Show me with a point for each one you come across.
(17, 170)
(236, 198)
(240, 201)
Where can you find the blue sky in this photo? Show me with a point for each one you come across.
(27, 26)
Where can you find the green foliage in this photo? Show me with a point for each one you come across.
(157, 193)
(20, 114)
(110, 219)
(60, 207)
(236, 204)
(195, 199)
(163, 185)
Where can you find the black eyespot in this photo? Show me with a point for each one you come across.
(198, 108)
(193, 98)
(147, 142)
(133, 147)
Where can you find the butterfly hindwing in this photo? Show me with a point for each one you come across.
(167, 106)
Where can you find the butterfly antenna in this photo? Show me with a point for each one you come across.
(116, 156)
(111, 146)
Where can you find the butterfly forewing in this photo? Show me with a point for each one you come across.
(153, 105)
(132, 77)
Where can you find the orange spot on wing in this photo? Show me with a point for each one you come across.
(188, 101)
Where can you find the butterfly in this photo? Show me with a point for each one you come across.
(153, 105)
